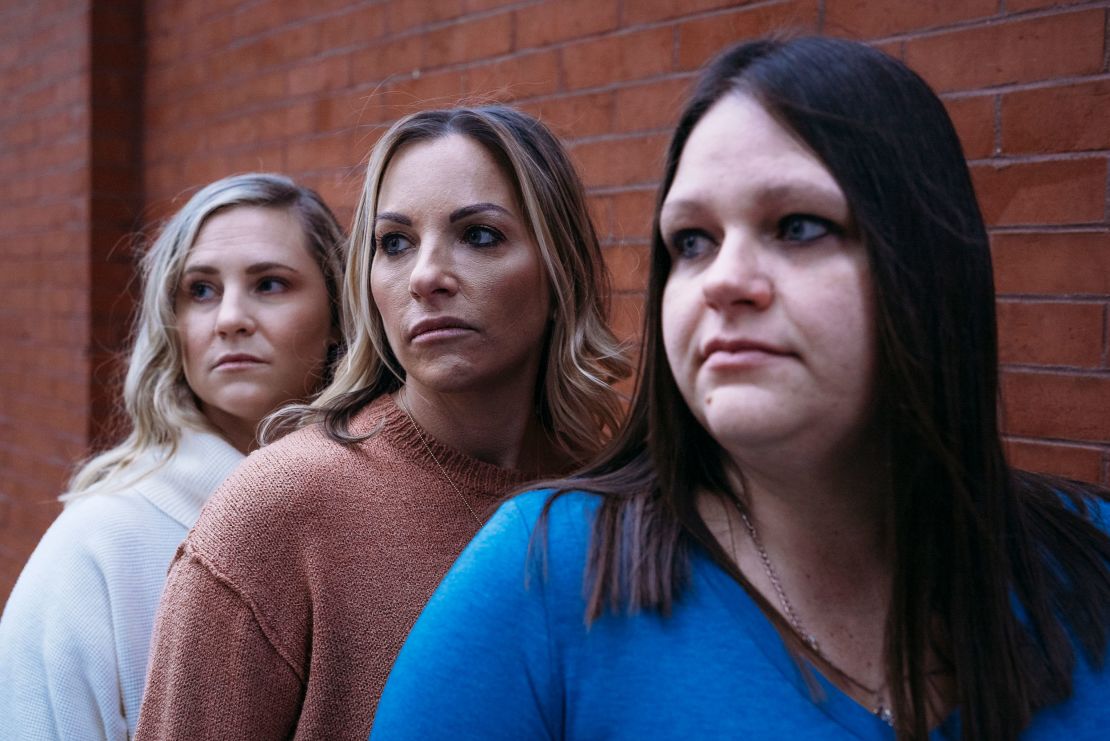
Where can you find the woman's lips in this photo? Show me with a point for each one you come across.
(439, 328)
(237, 361)
(740, 353)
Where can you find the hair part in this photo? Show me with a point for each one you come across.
(971, 534)
(157, 400)
(575, 400)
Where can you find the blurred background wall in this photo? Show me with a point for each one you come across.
(115, 111)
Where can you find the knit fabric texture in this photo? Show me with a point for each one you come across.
(75, 633)
(288, 602)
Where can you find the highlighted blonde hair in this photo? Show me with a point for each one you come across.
(157, 400)
(575, 399)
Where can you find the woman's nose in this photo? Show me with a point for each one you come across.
(738, 275)
(434, 270)
(234, 315)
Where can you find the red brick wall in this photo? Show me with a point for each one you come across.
(44, 281)
(70, 192)
(306, 87)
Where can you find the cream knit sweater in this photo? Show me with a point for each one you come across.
(75, 633)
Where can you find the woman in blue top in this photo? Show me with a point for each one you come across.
(807, 528)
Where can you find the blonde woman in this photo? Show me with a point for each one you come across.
(238, 316)
(479, 358)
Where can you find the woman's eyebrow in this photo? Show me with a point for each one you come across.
(203, 269)
(258, 267)
(394, 217)
(477, 208)
(802, 189)
(264, 267)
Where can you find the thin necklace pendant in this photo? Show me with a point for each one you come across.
(442, 471)
(881, 711)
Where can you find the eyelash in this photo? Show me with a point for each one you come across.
(380, 242)
(676, 243)
(497, 236)
(467, 236)
(195, 288)
(828, 227)
(782, 227)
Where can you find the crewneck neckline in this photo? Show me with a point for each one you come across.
(475, 478)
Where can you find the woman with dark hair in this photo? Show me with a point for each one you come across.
(807, 528)
(479, 357)
(239, 316)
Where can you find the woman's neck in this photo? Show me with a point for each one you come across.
(487, 427)
(821, 502)
(238, 433)
(816, 543)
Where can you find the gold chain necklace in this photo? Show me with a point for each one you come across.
(439, 465)
(880, 709)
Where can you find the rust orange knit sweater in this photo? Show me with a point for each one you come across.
(288, 602)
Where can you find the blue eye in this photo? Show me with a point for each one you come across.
(272, 285)
(393, 243)
(482, 236)
(690, 243)
(200, 291)
(805, 228)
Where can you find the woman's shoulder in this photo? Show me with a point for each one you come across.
(280, 496)
(96, 528)
(562, 511)
(101, 548)
(303, 461)
(543, 532)
(1099, 512)
(282, 476)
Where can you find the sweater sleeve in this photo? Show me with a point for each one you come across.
(478, 663)
(213, 672)
(58, 664)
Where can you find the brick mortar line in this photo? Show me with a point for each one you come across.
(387, 35)
(364, 87)
(18, 204)
(613, 33)
(43, 53)
(1037, 229)
(47, 113)
(1081, 299)
(996, 145)
(80, 101)
(1106, 206)
(44, 22)
(361, 89)
(615, 137)
(1055, 370)
(1106, 46)
(1062, 442)
(1019, 159)
(1021, 87)
(1106, 336)
(1001, 18)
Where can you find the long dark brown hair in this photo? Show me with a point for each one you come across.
(1001, 571)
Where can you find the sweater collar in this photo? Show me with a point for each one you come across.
(183, 484)
(474, 477)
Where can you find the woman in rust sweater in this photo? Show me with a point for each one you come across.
(478, 358)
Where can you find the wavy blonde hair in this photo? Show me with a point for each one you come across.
(157, 401)
(575, 399)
